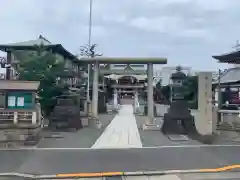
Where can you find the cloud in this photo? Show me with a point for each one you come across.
(171, 25)
(185, 31)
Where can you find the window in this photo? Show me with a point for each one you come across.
(11, 101)
(20, 100)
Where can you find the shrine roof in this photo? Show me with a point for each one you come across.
(232, 57)
(125, 60)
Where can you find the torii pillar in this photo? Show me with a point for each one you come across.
(150, 103)
(95, 91)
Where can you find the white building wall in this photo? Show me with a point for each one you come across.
(166, 72)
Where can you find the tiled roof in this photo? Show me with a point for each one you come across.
(40, 41)
(230, 75)
(30, 45)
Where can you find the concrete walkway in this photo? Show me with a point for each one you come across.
(122, 132)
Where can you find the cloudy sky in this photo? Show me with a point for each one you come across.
(187, 32)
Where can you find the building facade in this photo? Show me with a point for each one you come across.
(127, 79)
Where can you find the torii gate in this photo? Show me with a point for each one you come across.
(112, 60)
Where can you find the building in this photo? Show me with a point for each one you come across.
(72, 74)
(229, 81)
(19, 108)
(126, 78)
(130, 78)
(164, 74)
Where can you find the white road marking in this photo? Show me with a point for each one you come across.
(93, 149)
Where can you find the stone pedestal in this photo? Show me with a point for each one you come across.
(136, 103)
(178, 119)
(95, 123)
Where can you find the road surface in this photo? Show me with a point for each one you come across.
(54, 161)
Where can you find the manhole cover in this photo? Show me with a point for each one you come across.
(178, 137)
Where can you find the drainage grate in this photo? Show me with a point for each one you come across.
(178, 137)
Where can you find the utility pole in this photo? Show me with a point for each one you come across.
(219, 88)
(89, 46)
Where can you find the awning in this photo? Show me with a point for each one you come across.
(18, 85)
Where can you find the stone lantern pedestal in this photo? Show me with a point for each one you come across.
(178, 119)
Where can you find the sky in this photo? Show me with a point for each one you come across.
(186, 32)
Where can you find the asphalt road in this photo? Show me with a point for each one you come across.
(83, 160)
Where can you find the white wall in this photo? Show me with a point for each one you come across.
(166, 72)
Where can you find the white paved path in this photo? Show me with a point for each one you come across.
(122, 132)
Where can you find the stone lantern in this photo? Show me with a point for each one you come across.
(178, 119)
(177, 80)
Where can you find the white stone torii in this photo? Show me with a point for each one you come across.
(106, 60)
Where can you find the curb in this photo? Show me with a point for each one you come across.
(101, 174)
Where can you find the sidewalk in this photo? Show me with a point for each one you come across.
(122, 132)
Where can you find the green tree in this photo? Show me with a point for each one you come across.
(44, 67)
(190, 86)
(166, 92)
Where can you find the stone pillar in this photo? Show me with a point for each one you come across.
(8, 70)
(136, 104)
(115, 99)
(39, 114)
(136, 96)
(34, 118)
(15, 117)
(150, 102)
(95, 91)
(203, 119)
